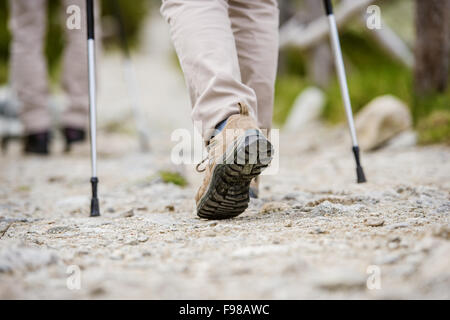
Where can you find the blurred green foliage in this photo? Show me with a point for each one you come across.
(172, 177)
(4, 41)
(290, 81)
(435, 127)
(133, 12)
(371, 73)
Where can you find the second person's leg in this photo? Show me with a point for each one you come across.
(75, 72)
(29, 70)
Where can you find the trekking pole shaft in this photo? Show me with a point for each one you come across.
(340, 70)
(95, 211)
(92, 85)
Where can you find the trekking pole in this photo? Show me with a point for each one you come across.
(95, 209)
(340, 70)
(130, 80)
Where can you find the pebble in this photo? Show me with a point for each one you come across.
(273, 207)
(127, 214)
(209, 233)
(317, 231)
(142, 238)
(374, 222)
(398, 225)
(117, 255)
(56, 230)
(341, 280)
(441, 232)
(170, 208)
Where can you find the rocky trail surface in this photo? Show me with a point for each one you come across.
(314, 232)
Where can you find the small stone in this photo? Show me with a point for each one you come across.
(341, 280)
(290, 196)
(132, 242)
(117, 255)
(442, 232)
(272, 207)
(128, 213)
(327, 208)
(97, 291)
(393, 245)
(398, 225)
(288, 224)
(170, 208)
(209, 233)
(317, 231)
(142, 238)
(55, 179)
(56, 230)
(374, 222)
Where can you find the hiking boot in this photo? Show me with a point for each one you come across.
(236, 155)
(37, 143)
(73, 135)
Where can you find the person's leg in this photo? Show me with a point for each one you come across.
(205, 45)
(28, 67)
(255, 28)
(74, 119)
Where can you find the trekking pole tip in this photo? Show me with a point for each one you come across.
(361, 178)
(95, 207)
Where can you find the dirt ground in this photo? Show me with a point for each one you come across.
(314, 233)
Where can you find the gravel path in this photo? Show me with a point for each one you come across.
(313, 234)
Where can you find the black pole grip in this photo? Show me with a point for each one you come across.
(90, 19)
(95, 207)
(328, 7)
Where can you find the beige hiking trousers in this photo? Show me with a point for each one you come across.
(228, 50)
(28, 66)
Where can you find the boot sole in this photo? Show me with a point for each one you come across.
(227, 195)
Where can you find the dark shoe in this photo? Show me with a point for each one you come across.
(37, 143)
(73, 135)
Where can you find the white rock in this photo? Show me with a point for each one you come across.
(306, 109)
(404, 139)
(380, 120)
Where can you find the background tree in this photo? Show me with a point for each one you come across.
(432, 49)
